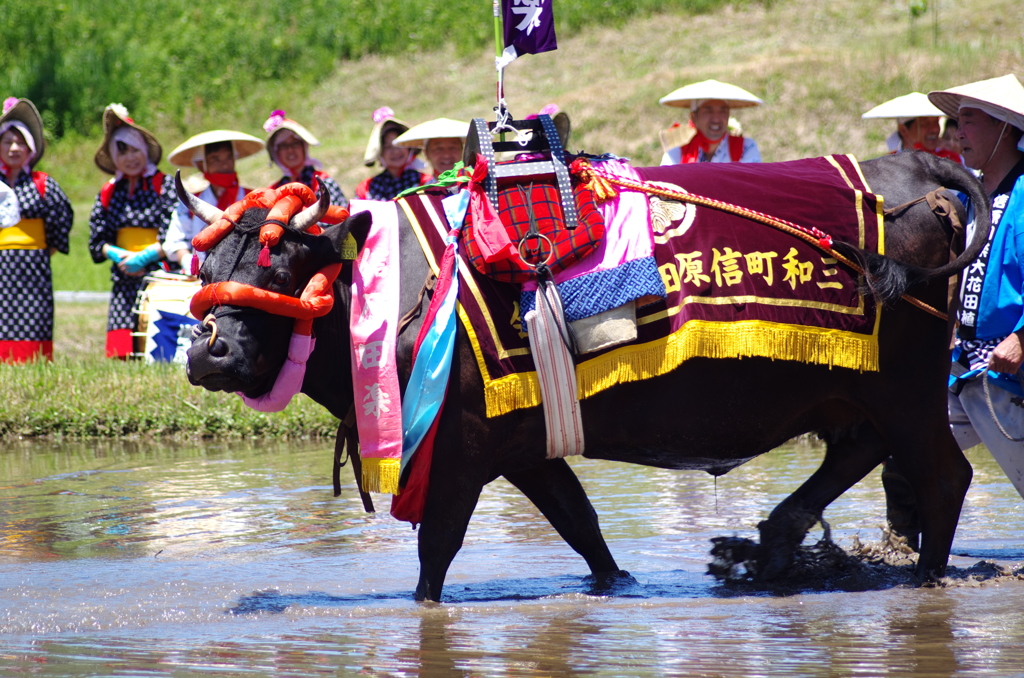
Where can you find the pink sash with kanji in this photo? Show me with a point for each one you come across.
(374, 329)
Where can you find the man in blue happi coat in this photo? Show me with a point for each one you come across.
(986, 378)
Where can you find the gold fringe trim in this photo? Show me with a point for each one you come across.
(697, 338)
(380, 474)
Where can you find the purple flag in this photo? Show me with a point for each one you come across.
(529, 26)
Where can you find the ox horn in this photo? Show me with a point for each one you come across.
(312, 214)
(197, 206)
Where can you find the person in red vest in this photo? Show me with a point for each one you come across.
(35, 220)
(707, 137)
(917, 125)
(441, 141)
(129, 219)
(213, 154)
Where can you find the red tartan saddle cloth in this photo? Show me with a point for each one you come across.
(569, 245)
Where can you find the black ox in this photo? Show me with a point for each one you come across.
(863, 417)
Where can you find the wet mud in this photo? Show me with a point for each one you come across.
(827, 567)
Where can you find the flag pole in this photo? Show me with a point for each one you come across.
(499, 49)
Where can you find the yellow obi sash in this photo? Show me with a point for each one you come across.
(27, 234)
(135, 239)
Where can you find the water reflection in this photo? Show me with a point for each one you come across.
(184, 560)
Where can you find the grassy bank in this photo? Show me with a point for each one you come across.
(81, 394)
(818, 66)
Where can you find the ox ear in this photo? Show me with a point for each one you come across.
(358, 225)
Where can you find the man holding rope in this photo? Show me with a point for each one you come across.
(985, 403)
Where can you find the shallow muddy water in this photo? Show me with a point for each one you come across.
(157, 560)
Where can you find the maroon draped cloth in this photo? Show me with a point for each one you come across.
(735, 287)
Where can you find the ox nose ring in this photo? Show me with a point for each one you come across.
(211, 321)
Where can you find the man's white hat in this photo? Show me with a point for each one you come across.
(906, 107)
(735, 97)
(1002, 98)
(244, 145)
(441, 128)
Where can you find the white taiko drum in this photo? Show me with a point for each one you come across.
(164, 321)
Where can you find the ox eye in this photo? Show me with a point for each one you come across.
(282, 278)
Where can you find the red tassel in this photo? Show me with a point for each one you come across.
(195, 264)
(264, 259)
(825, 242)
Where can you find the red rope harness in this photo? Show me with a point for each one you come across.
(317, 298)
(602, 183)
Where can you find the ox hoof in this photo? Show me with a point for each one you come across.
(781, 534)
(610, 583)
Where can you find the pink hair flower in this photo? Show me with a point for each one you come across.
(382, 114)
(550, 109)
(10, 103)
(274, 121)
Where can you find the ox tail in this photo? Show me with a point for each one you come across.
(888, 279)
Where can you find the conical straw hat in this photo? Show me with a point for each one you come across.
(735, 97)
(1002, 98)
(913, 105)
(244, 145)
(441, 128)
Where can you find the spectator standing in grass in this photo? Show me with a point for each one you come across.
(708, 137)
(35, 221)
(129, 219)
(214, 155)
(288, 144)
(441, 141)
(917, 125)
(401, 168)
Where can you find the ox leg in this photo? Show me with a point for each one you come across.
(848, 458)
(554, 489)
(938, 475)
(450, 505)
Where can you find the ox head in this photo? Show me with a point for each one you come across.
(269, 269)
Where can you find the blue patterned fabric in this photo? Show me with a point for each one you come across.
(602, 291)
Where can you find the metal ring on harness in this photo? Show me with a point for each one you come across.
(211, 320)
(539, 236)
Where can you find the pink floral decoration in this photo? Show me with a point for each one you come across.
(274, 121)
(382, 114)
(10, 103)
(550, 109)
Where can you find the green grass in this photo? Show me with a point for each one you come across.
(81, 394)
(96, 397)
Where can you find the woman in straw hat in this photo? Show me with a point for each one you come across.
(990, 337)
(708, 138)
(129, 218)
(401, 169)
(288, 144)
(441, 141)
(35, 220)
(917, 125)
(214, 155)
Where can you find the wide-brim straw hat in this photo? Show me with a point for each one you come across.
(376, 141)
(417, 136)
(913, 105)
(733, 96)
(299, 130)
(243, 144)
(24, 111)
(1005, 94)
(114, 116)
